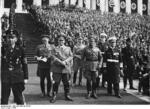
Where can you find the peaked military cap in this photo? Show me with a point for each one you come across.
(61, 38)
(112, 39)
(103, 34)
(45, 37)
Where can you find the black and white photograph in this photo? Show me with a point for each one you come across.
(74, 52)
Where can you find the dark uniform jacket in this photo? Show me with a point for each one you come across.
(129, 57)
(145, 62)
(103, 47)
(14, 65)
(113, 58)
(44, 52)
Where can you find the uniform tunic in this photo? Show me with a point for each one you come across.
(103, 47)
(145, 62)
(14, 65)
(144, 76)
(92, 57)
(44, 52)
(129, 58)
(13, 73)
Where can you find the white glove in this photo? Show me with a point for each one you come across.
(25, 81)
(64, 62)
(38, 58)
(44, 59)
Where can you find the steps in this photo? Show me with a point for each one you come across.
(31, 52)
(25, 25)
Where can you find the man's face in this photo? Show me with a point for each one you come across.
(113, 44)
(102, 39)
(45, 40)
(61, 42)
(129, 43)
(12, 40)
(80, 40)
(92, 42)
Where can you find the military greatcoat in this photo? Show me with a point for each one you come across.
(113, 58)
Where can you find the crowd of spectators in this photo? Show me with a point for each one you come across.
(72, 23)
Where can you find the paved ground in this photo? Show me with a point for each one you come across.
(32, 94)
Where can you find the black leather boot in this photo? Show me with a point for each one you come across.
(132, 88)
(67, 97)
(43, 94)
(88, 95)
(94, 95)
(49, 95)
(117, 94)
(97, 82)
(53, 100)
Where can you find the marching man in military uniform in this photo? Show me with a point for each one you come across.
(102, 45)
(93, 60)
(14, 71)
(43, 54)
(77, 62)
(61, 68)
(113, 64)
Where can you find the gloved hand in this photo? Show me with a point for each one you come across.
(25, 81)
